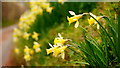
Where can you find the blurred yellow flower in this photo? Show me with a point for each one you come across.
(27, 57)
(61, 1)
(35, 36)
(49, 9)
(26, 35)
(45, 5)
(31, 51)
(27, 50)
(36, 46)
(16, 50)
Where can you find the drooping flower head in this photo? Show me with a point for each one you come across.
(92, 21)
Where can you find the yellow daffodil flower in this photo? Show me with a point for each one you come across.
(31, 51)
(51, 49)
(27, 50)
(16, 50)
(35, 36)
(49, 9)
(45, 5)
(92, 21)
(36, 46)
(57, 50)
(59, 40)
(26, 35)
(75, 18)
(61, 1)
(27, 57)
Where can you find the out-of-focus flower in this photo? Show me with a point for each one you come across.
(45, 5)
(26, 35)
(27, 57)
(37, 10)
(16, 50)
(61, 1)
(75, 18)
(36, 46)
(27, 52)
(92, 21)
(35, 36)
(49, 9)
(16, 34)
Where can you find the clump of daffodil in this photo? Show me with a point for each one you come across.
(16, 50)
(75, 18)
(26, 35)
(27, 53)
(58, 48)
(37, 10)
(16, 33)
(92, 21)
(35, 36)
(36, 46)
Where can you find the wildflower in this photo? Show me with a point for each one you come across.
(26, 35)
(16, 50)
(75, 18)
(59, 40)
(49, 9)
(92, 21)
(36, 46)
(35, 35)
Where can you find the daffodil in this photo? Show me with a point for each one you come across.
(16, 50)
(51, 49)
(61, 1)
(26, 35)
(35, 35)
(27, 52)
(59, 40)
(27, 57)
(49, 9)
(92, 21)
(45, 5)
(57, 50)
(36, 46)
(75, 18)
